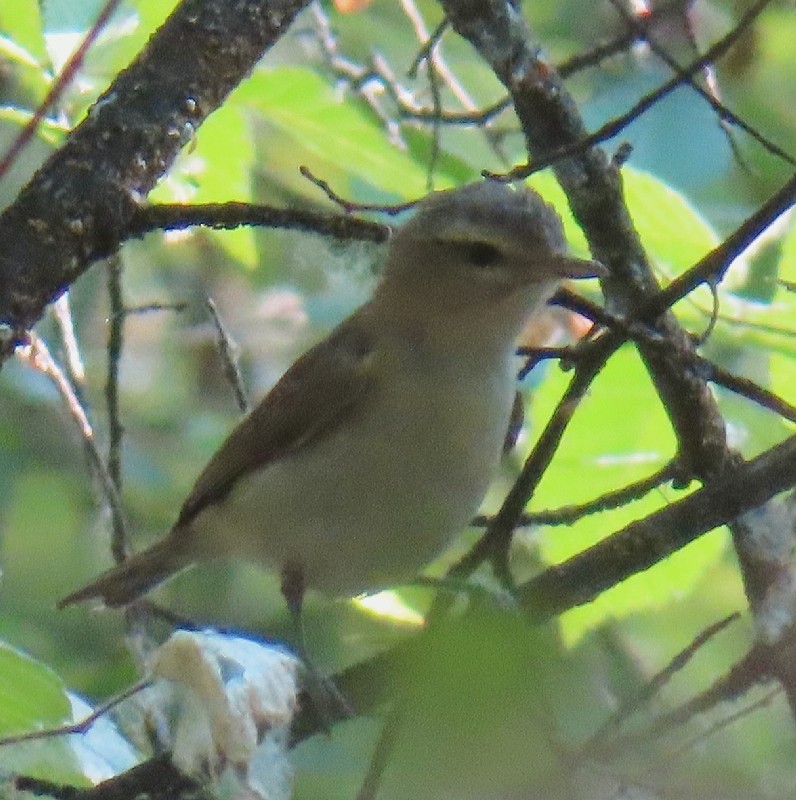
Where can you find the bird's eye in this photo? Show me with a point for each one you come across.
(482, 254)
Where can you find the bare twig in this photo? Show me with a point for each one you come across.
(385, 745)
(619, 123)
(444, 71)
(706, 369)
(747, 673)
(229, 360)
(424, 54)
(77, 727)
(119, 543)
(566, 515)
(149, 308)
(478, 117)
(713, 317)
(730, 719)
(714, 265)
(156, 779)
(62, 313)
(366, 82)
(349, 206)
(647, 541)
(38, 356)
(495, 541)
(436, 99)
(86, 193)
(599, 741)
(748, 389)
(725, 114)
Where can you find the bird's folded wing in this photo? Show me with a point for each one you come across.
(319, 391)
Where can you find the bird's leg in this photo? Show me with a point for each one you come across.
(293, 589)
(330, 705)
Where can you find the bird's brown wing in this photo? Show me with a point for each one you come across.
(325, 385)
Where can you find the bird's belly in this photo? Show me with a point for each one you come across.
(370, 504)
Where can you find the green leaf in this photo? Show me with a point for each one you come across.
(327, 129)
(153, 13)
(618, 435)
(50, 132)
(673, 232)
(32, 696)
(13, 52)
(783, 380)
(216, 168)
(21, 21)
(656, 588)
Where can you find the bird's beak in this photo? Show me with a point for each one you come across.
(564, 266)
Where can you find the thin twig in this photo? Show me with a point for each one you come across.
(706, 369)
(149, 308)
(619, 123)
(445, 72)
(424, 54)
(730, 719)
(494, 543)
(84, 724)
(725, 114)
(567, 515)
(715, 264)
(644, 542)
(598, 54)
(385, 745)
(713, 318)
(750, 671)
(347, 205)
(62, 314)
(477, 117)
(229, 359)
(748, 389)
(597, 743)
(156, 779)
(38, 356)
(116, 320)
(436, 99)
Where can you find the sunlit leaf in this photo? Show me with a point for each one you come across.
(31, 695)
(672, 231)
(21, 21)
(329, 128)
(33, 698)
(215, 168)
(619, 435)
(47, 130)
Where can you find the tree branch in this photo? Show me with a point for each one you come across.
(77, 207)
(550, 120)
(647, 541)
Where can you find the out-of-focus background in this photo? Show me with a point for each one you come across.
(334, 95)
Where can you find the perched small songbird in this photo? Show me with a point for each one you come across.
(378, 445)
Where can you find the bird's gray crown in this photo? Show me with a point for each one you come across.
(490, 211)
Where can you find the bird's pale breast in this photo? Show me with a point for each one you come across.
(369, 504)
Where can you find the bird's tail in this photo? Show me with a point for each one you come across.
(135, 576)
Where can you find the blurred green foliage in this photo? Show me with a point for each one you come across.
(495, 705)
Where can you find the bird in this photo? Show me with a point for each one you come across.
(378, 444)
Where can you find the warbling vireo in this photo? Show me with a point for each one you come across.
(378, 445)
